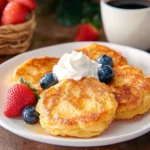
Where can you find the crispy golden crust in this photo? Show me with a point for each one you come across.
(32, 70)
(148, 78)
(82, 108)
(93, 51)
(132, 91)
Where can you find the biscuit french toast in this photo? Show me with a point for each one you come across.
(33, 69)
(82, 108)
(132, 91)
(93, 51)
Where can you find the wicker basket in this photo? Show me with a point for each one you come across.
(16, 39)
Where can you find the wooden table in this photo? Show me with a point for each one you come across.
(48, 32)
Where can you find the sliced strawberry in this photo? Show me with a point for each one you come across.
(2, 5)
(14, 13)
(86, 32)
(29, 4)
(18, 97)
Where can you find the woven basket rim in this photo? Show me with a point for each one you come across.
(16, 39)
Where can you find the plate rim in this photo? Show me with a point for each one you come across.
(89, 42)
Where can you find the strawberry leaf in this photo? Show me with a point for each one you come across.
(96, 21)
(34, 89)
(37, 97)
(28, 84)
(85, 20)
(21, 80)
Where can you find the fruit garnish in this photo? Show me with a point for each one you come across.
(86, 32)
(30, 115)
(18, 97)
(14, 13)
(105, 60)
(105, 73)
(48, 80)
(29, 4)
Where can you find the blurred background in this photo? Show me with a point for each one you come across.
(58, 21)
(31, 24)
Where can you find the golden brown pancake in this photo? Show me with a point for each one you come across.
(93, 51)
(132, 91)
(33, 69)
(82, 108)
(148, 78)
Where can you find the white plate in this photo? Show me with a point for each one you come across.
(118, 131)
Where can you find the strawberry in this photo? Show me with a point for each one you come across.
(29, 4)
(18, 97)
(2, 5)
(14, 13)
(86, 32)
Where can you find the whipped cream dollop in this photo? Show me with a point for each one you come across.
(75, 66)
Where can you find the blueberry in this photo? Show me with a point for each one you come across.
(48, 80)
(105, 73)
(30, 115)
(105, 60)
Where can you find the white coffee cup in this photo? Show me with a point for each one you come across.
(129, 27)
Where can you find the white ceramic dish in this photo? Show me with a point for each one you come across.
(118, 131)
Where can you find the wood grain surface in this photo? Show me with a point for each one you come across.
(47, 33)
